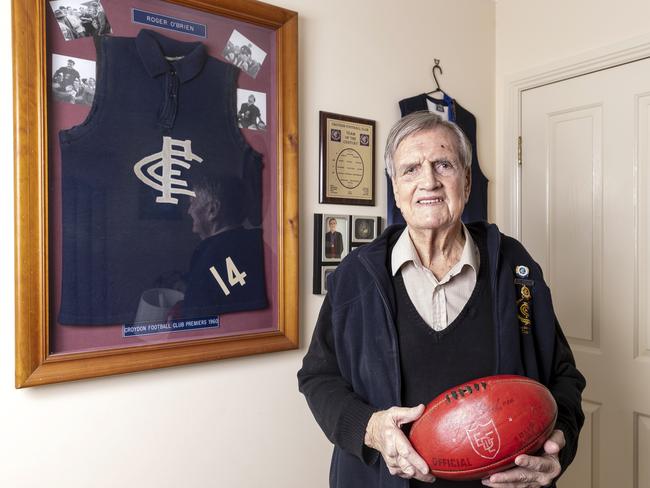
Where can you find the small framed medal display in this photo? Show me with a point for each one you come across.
(156, 169)
(347, 160)
(336, 236)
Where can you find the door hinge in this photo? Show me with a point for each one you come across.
(519, 150)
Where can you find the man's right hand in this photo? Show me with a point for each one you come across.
(384, 434)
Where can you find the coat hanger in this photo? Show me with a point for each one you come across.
(433, 70)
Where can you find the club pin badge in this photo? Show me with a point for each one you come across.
(522, 271)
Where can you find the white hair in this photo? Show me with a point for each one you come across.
(423, 121)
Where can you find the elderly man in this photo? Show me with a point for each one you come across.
(426, 307)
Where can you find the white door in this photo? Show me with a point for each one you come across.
(586, 219)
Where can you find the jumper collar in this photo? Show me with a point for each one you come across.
(154, 48)
(446, 100)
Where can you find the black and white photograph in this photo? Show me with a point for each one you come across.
(251, 113)
(73, 79)
(244, 54)
(325, 272)
(364, 229)
(336, 237)
(80, 18)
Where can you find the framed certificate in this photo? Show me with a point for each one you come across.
(347, 160)
(156, 184)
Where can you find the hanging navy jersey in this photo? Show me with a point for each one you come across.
(163, 109)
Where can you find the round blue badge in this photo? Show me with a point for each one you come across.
(521, 271)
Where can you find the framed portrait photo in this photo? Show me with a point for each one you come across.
(347, 160)
(155, 219)
(335, 238)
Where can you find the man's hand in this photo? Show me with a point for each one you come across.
(383, 433)
(532, 471)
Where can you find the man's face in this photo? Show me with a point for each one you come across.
(70, 64)
(430, 184)
(251, 99)
(202, 211)
(332, 225)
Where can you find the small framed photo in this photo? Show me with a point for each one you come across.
(335, 237)
(325, 272)
(364, 229)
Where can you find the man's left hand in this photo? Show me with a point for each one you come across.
(532, 471)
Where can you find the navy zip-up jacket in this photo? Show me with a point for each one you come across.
(352, 368)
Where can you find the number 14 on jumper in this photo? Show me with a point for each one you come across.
(234, 276)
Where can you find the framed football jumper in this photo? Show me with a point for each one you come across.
(156, 177)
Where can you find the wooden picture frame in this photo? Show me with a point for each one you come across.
(347, 160)
(35, 254)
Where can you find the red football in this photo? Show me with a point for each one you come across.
(478, 428)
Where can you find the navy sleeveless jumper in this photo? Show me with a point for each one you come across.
(164, 112)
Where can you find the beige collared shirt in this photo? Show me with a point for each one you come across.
(437, 302)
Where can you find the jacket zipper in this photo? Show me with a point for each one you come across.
(495, 302)
(384, 299)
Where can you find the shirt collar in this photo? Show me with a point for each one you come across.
(470, 256)
(404, 252)
(153, 49)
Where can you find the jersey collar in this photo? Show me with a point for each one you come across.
(154, 49)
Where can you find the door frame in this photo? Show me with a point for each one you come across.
(633, 49)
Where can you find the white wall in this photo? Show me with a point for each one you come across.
(240, 422)
(531, 34)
